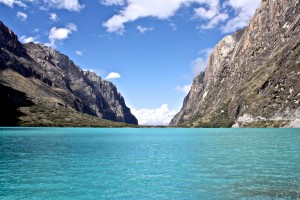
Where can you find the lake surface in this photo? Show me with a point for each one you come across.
(63, 163)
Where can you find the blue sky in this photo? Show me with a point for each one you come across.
(150, 49)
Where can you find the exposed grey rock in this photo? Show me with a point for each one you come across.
(9, 40)
(57, 80)
(254, 72)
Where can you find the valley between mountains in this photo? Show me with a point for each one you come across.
(252, 80)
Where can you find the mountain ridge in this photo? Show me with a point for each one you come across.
(253, 76)
(51, 79)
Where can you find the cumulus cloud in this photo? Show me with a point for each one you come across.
(79, 53)
(211, 12)
(138, 9)
(22, 16)
(70, 5)
(26, 39)
(244, 9)
(156, 116)
(185, 89)
(53, 17)
(59, 34)
(200, 63)
(148, 8)
(112, 2)
(206, 14)
(142, 29)
(11, 3)
(113, 75)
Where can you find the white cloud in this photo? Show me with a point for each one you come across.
(206, 14)
(26, 39)
(156, 116)
(244, 10)
(70, 5)
(138, 9)
(79, 53)
(200, 63)
(59, 34)
(72, 27)
(185, 89)
(11, 3)
(113, 75)
(173, 26)
(212, 14)
(148, 8)
(244, 5)
(22, 16)
(142, 29)
(53, 17)
(215, 21)
(112, 2)
(209, 13)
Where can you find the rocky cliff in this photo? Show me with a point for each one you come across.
(253, 76)
(51, 79)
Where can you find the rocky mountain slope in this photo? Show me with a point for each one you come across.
(35, 79)
(253, 76)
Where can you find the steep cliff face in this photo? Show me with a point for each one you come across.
(253, 76)
(9, 40)
(98, 94)
(50, 78)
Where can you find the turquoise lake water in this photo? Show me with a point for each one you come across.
(56, 163)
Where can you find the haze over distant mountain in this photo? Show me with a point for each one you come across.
(253, 76)
(38, 82)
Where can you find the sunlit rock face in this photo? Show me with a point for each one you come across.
(51, 78)
(253, 74)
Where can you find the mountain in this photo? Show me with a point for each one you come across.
(38, 82)
(253, 76)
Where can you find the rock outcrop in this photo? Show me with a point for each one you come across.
(253, 76)
(50, 78)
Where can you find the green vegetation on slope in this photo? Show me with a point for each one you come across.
(59, 116)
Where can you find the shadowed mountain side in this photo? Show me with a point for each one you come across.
(10, 102)
(50, 78)
(19, 109)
